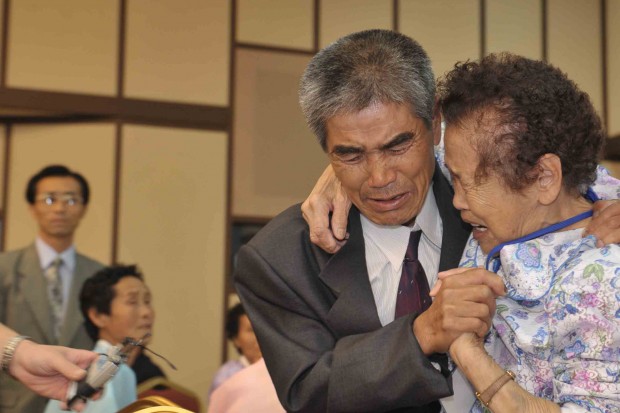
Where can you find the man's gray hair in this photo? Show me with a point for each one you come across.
(364, 69)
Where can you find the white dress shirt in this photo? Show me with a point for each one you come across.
(47, 255)
(385, 248)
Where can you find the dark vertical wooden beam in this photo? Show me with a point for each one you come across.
(604, 63)
(316, 26)
(483, 28)
(5, 182)
(118, 144)
(544, 31)
(395, 10)
(228, 286)
(4, 47)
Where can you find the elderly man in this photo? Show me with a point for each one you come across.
(39, 284)
(335, 335)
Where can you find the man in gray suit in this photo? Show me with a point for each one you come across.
(329, 325)
(39, 284)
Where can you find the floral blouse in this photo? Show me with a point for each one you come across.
(558, 327)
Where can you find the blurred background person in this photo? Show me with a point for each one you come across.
(116, 303)
(39, 284)
(240, 332)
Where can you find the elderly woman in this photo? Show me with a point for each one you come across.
(522, 143)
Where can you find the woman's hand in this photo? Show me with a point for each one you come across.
(327, 196)
(605, 224)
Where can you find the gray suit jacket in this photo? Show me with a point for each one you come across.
(24, 306)
(316, 319)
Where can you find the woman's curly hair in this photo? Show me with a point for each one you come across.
(534, 110)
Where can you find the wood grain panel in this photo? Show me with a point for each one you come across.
(341, 17)
(613, 66)
(64, 45)
(178, 53)
(173, 224)
(276, 159)
(280, 23)
(448, 30)
(514, 26)
(575, 44)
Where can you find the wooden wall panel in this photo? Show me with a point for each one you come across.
(280, 23)
(3, 140)
(574, 32)
(173, 224)
(276, 158)
(86, 148)
(448, 30)
(613, 68)
(178, 53)
(341, 17)
(515, 26)
(64, 45)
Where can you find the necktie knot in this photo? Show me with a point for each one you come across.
(412, 248)
(413, 291)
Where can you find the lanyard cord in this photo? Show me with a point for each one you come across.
(590, 195)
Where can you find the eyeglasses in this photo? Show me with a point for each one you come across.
(68, 200)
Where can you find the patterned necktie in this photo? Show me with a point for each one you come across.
(54, 292)
(413, 297)
(413, 287)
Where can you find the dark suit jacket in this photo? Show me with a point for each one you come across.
(25, 307)
(316, 320)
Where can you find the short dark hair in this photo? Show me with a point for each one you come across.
(56, 170)
(233, 318)
(538, 110)
(98, 292)
(362, 69)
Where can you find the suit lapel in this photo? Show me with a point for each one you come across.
(455, 231)
(34, 290)
(354, 310)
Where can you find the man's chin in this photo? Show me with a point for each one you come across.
(391, 218)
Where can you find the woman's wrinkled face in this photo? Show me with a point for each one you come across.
(497, 213)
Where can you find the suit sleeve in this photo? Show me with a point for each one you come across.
(315, 371)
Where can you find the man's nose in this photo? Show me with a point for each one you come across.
(59, 205)
(380, 172)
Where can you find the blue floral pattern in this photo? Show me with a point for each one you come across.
(558, 327)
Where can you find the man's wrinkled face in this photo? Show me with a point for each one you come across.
(383, 155)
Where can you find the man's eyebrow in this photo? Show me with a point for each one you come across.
(345, 150)
(398, 140)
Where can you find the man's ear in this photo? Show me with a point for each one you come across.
(97, 318)
(436, 123)
(549, 182)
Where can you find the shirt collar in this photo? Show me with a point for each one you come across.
(48, 254)
(392, 240)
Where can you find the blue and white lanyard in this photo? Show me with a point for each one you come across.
(589, 195)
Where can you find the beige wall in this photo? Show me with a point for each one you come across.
(173, 218)
(173, 184)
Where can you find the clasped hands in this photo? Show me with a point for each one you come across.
(463, 306)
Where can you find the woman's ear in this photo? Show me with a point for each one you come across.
(549, 182)
(97, 318)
